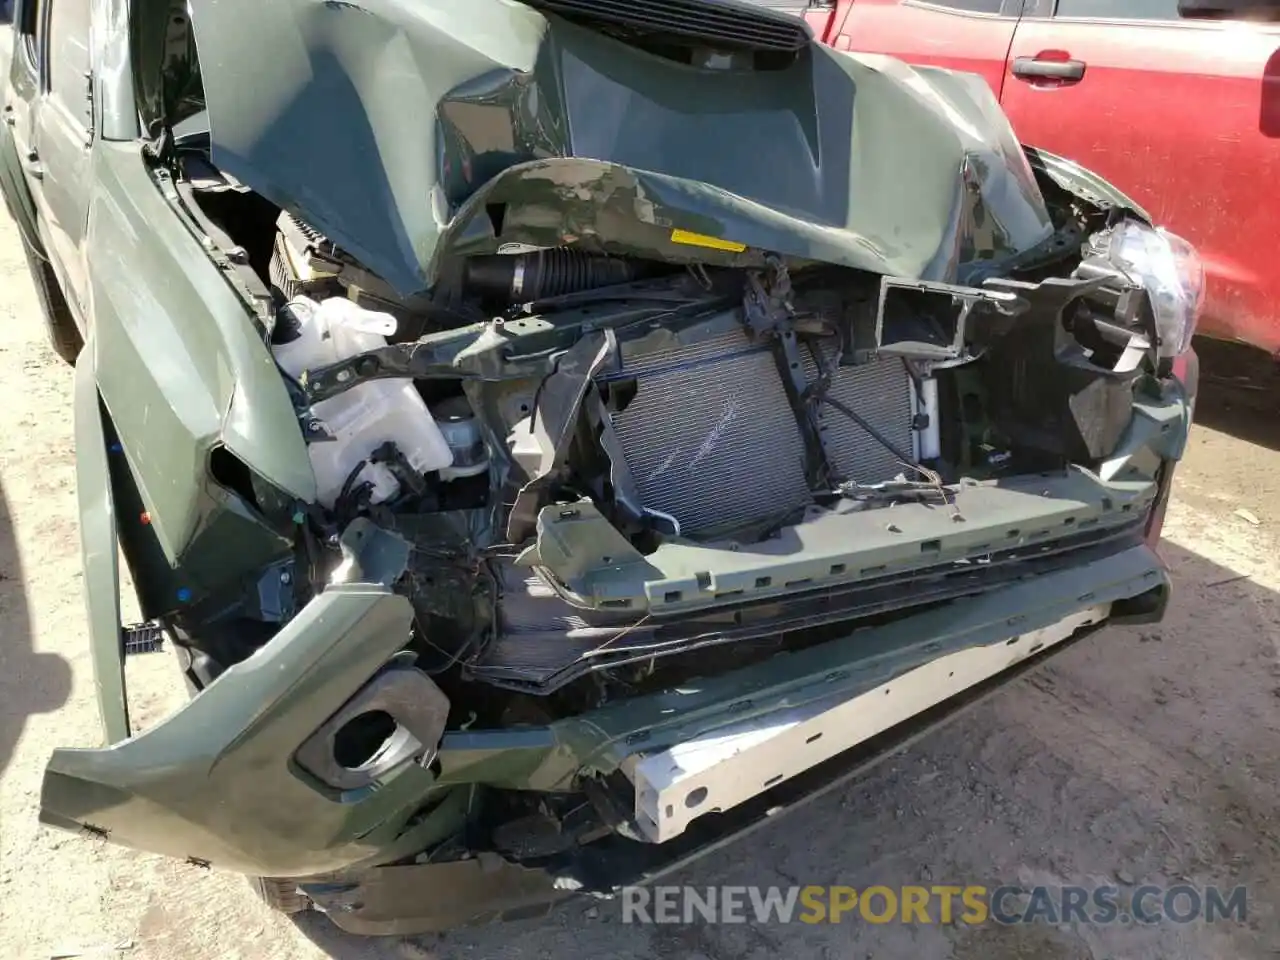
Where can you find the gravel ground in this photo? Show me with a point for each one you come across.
(1141, 755)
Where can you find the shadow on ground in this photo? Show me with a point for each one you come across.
(1147, 754)
(1239, 392)
(30, 682)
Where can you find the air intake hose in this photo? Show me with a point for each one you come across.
(521, 277)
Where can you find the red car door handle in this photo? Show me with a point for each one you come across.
(1033, 68)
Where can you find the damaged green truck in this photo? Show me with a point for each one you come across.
(557, 438)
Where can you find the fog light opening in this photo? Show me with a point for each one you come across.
(360, 741)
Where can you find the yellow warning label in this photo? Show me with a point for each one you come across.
(702, 240)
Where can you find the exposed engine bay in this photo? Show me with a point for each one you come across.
(553, 433)
(600, 463)
(625, 453)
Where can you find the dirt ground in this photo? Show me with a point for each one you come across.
(1140, 755)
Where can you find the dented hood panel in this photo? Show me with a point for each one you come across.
(408, 130)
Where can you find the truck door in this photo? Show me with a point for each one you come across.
(22, 61)
(63, 133)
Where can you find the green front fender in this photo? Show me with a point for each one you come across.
(220, 786)
(1082, 181)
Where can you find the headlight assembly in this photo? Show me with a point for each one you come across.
(1171, 272)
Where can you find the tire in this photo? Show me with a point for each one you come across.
(60, 325)
(281, 895)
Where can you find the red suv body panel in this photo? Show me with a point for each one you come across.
(928, 35)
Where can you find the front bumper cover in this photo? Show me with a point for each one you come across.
(215, 783)
(406, 899)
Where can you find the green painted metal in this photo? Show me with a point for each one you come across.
(215, 780)
(98, 551)
(396, 127)
(686, 576)
(180, 363)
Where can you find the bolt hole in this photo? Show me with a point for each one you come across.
(694, 799)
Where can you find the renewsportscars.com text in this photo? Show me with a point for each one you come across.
(936, 904)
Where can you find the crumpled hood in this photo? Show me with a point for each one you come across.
(411, 130)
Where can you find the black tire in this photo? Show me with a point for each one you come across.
(281, 895)
(60, 324)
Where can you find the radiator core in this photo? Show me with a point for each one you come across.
(880, 392)
(710, 436)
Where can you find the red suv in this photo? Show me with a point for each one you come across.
(1184, 115)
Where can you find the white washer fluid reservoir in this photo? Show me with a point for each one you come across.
(366, 416)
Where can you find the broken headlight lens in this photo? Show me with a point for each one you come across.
(1170, 270)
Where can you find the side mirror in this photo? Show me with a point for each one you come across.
(1229, 9)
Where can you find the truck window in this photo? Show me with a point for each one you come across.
(69, 62)
(1119, 9)
(30, 27)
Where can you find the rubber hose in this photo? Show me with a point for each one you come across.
(521, 277)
